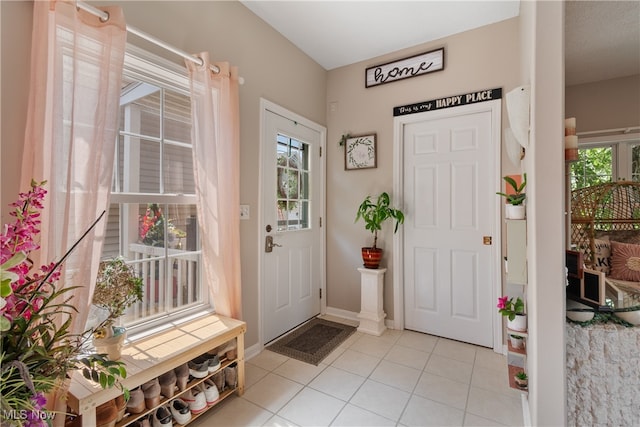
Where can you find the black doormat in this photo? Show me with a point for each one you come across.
(313, 341)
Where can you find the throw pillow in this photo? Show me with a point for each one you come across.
(602, 255)
(625, 261)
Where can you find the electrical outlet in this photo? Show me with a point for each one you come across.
(244, 212)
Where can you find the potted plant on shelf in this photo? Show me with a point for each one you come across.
(374, 215)
(514, 312)
(521, 379)
(517, 341)
(515, 198)
(117, 288)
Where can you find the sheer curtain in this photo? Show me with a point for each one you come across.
(216, 157)
(76, 71)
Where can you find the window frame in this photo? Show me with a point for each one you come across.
(142, 65)
(621, 155)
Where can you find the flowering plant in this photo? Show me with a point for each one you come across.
(37, 352)
(507, 307)
(117, 288)
(152, 226)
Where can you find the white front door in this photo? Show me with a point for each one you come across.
(450, 206)
(292, 237)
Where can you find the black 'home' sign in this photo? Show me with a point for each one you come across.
(417, 65)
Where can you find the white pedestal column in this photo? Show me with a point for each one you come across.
(371, 313)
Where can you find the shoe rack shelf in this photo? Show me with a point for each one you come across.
(131, 418)
(150, 356)
(517, 279)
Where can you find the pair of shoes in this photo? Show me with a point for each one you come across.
(142, 422)
(151, 391)
(228, 350)
(167, 384)
(180, 411)
(199, 368)
(212, 360)
(121, 406)
(135, 405)
(196, 400)
(218, 379)
(182, 376)
(161, 417)
(231, 375)
(106, 414)
(210, 391)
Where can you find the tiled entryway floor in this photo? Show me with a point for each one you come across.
(402, 378)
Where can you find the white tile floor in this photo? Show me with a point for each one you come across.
(402, 378)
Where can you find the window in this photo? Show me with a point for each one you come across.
(152, 218)
(293, 184)
(604, 159)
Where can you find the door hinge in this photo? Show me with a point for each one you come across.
(320, 151)
(320, 293)
(320, 222)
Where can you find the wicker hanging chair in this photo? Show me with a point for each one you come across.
(612, 208)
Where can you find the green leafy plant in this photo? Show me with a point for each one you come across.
(517, 197)
(117, 288)
(521, 375)
(37, 352)
(375, 214)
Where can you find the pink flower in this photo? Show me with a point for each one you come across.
(502, 302)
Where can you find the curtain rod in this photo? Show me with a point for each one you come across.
(603, 131)
(104, 17)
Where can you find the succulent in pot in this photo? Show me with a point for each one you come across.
(374, 215)
(521, 379)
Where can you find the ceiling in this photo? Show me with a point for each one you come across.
(602, 37)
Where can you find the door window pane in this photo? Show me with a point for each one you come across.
(292, 187)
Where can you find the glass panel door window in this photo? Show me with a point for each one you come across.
(292, 187)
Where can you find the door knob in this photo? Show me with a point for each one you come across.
(268, 246)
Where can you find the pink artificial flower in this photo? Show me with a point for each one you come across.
(502, 302)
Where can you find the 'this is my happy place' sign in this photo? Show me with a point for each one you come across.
(413, 66)
(449, 101)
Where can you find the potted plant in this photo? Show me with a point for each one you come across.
(117, 288)
(521, 379)
(517, 341)
(374, 215)
(515, 198)
(514, 312)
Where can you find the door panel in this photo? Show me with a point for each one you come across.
(291, 206)
(450, 205)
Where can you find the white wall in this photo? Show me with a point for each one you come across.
(543, 41)
(484, 58)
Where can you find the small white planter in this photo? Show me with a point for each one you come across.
(514, 211)
(518, 324)
(516, 341)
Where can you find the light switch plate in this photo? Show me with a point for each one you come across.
(244, 212)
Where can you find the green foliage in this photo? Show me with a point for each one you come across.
(117, 287)
(374, 214)
(518, 197)
(594, 167)
(521, 375)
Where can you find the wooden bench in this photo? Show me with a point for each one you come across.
(157, 353)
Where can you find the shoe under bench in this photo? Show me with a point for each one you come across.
(150, 356)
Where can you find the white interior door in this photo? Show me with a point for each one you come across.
(292, 238)
(450, 203)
